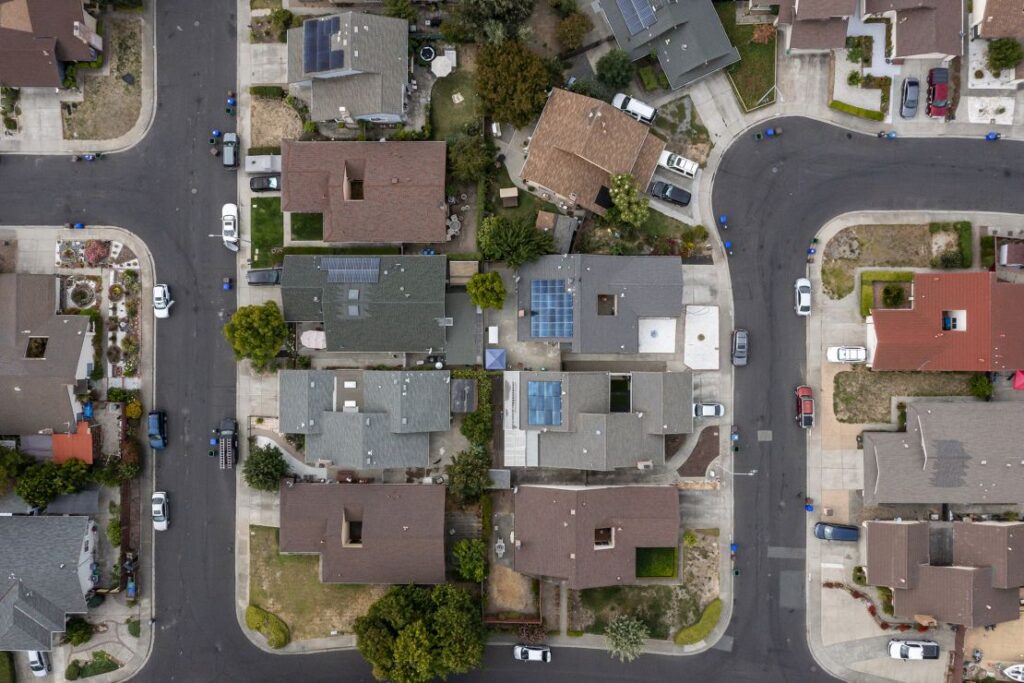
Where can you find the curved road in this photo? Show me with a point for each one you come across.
(168, 190)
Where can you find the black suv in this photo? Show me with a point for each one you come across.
(265, 183)
(669, 193)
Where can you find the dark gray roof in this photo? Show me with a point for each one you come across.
(400, 310)
(304, 395)
(463, 395)
(643, 287)
(465, 342)
(966, 453)
(687, 36)
(665, 399)
(416, 401)
(39, 584)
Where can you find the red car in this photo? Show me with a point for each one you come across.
(805, 406)
(938, 93)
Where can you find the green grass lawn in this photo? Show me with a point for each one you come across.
(700, 630)
(657, 562)
(267, 224)
(528, 207)
(446, 117)
(650, 604)
(754, 74)
(307, 226)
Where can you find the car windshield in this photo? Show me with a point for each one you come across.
(158, 512)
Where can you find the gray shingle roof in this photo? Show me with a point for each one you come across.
(39, 582)
(304, 395)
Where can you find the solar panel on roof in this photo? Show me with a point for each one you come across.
(638, 14)
(544, 403)
(316, 51)
(309, 46)
(351, 269)
(550, 309)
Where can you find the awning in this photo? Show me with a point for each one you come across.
(495, 359)
(313, 339)
(1018, 380)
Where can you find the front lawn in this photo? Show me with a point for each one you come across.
(446, 117)
(289, 586)
(699, 631)
(267, 225)
(657, 562)
(863, 396)
(754, 74)
(307, 226)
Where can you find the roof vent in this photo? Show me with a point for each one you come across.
(394, 180)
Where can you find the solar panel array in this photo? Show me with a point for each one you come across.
(317, 54)
(639, 15)
(550, 309)
(351, 269)
(544, 403)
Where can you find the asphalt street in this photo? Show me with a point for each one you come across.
(169, 190)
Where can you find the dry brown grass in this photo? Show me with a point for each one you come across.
(273, 120)
(509, 591)
(878, 245)
(863, 396)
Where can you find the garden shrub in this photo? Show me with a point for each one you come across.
(980, 386)
(270, 625)
(6, 667)
(647, 78)
(73, 672)
(273, 91)
(699, 631)
(134, 628)
(893, 296)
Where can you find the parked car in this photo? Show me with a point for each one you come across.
(913, 649)
(265, 183)
(827, 531)
(39, 663)
(641, 111)
(162, 301)
(669, 193)
(911, 95)
(740, 346)
(846, 354)
(229, 226)
(680, 164)
(160, 510)
(708, 410)
(532, 653)
(805, 406)
(156, 425)
(802, 292)
(938, 93)
(258, 277)
(231, 151)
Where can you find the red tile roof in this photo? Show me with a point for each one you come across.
(77, 446)
(990, 338)
(402, 183)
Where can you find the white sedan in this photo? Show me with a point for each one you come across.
(846, 354)
(160, 512)
(162, 301)
(229, 226)
(708, 410)
(802, 291)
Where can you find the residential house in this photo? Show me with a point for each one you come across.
(588, 537)
(39, 37)
(815, 25)
(46, 357)
(579, 144)
(561, 228)
(365, 420)
(964, 573)
(45, 571)
(686, 37)
(593, 420)
(367, 533)
(958, 453)
(368, 192)
(922, 29)
(82, 444)
(601, 304)
(85, 502)
(956, 322)
(992, 19)
(351, 67)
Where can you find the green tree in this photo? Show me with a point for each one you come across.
(512, 240)
(487, 21)
(402, 9)
(630, 206)
(563, 8)
(626, 636)
(471, 558)
(893, 295)
(77, 631)
(468, 475)
(257, 333)
(512, 83)
(572, 30)
(458, 629)
(469, 157)
(1004, 53)
(486, 290)
(980, 386)
(414, 662)
(264, 468)
(12, 464)
(41, 483)
(615, 69)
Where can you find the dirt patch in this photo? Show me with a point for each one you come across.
(112, 102)
(684, 131)
(873, 245)
(863, 396)
(510, 591)
(8, 255)
(707, 449)
(944, 241)
(700, 568)
(544, 27)
(273, 120)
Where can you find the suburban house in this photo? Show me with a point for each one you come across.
(815, 25)
(38, 37)
(687, 37)
(579, 144)
(47, 357)
(82, 444)
(588, 537)
(921, 29)
(591, 303)
(86, 503)
(957, 322)
(992, 19)
(367, 533)
(362, 419)
(45, 572)
(964, 573)
(368, 192)
(593, 420)
(952, 452)
(351, 67)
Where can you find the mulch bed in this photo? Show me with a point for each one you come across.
(703, 453)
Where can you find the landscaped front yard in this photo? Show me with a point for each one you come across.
(863, 396)
(111, 102)
(447, 117)
(267, 224)
(754, 74)
(289, 586)
(683, 130)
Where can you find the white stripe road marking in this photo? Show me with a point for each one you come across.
(833, 565)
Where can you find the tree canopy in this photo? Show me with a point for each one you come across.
(615, 69)
(41, 483)
(468, 475)
(486, 290)
(12, 464)
(1004, 53)
(512, 240)
(630, 206)
(264, 468)
(257, 333)
(487, 21)
(471, 558)
(512, 82)
(402, 9)
(573, 29)
(626, 636)
(469, 157)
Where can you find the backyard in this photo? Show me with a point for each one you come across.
(446, 116)
(659, 235)
(864, 396)
(754, 74)
(289, 586)
(267, 223)
(111, 102)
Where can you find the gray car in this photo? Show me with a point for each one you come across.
(740, 346)
(911, 95)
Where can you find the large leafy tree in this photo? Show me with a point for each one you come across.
(41, 483)
(512, 240)
(626, 636)
(257, 333)
(458, 630)
(12, 464)
(630, 206)
(512, 82)
(487, 21)
(264, 468)
(469, 157)
(471, 558)
(486, 290)
(468, 475)
(615, 69)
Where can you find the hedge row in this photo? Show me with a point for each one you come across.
(6, 667)
(270, 625)
(699, 631)
(259, 151)
(274, 91)
(856, 111)
(867, 280)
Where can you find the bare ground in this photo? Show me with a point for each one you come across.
(544, 25)
(863, 396)
(685, 132)
(509, 591)
(273, 120)
(111, 106)
(873, 245)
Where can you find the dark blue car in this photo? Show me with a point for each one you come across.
(836, 532)
(157, 429)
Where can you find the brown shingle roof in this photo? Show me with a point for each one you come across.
(35, 35)
(402, 530)
(555, 531)
(923, 27)
(895, 549)
(1000, 544)
(402, 183)
(1002, 19)
(823, 34)
(580, 142)
(957, 595)
(824, 9)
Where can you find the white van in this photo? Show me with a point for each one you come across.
(680, 164)
(644, 113)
